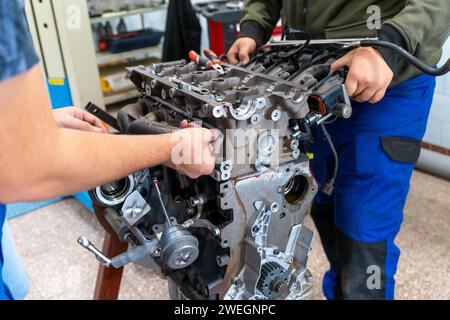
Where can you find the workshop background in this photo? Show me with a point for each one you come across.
(84, 52)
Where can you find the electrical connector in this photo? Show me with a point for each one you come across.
(328, 188)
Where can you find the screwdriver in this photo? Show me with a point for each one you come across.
(161, 201)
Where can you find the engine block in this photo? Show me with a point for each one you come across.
(239, 233)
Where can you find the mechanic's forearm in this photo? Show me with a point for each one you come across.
(95, 159)
(75, 161)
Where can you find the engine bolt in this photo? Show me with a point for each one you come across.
(294, 144)
(296, 154)
(276, 115)
(153, 84)
(274, 207)
(190, 211)
(148, 90)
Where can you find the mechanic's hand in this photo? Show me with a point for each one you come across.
(186, 124)
(77, 119)
(242, 50)
(369, 75)
(193, 154)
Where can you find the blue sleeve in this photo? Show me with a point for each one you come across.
(17, 53)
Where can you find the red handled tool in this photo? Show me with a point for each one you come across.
(207, 63)
(212, 56)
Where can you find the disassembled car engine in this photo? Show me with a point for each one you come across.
(239, 233)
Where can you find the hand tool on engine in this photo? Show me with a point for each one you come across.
(161, 201)
(179, 248)
(133, 255)
(212, 56)
(197, 58)
(85, 243)
(207, 63)
(102, 115)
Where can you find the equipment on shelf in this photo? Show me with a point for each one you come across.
(100, 7)
(130, 41)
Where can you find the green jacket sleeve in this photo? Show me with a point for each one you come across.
(259, 19)
(424, 24)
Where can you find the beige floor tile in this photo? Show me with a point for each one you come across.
(429, 278)
(128, 291)
(56, 274)
(54, 228)
(317, 263)
(83, 291)
(33, 293)
(146, 282)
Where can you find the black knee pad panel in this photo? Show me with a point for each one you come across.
(361, 269)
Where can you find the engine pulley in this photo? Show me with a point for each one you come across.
(179, 248)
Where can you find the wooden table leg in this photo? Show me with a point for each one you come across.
(108, 279)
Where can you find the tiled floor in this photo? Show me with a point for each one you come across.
(59, 269)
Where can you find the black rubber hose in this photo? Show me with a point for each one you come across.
(293, 57)
(128, 114)
(147, 126)
(408, 57)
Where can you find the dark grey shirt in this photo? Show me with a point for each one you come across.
(17, 54)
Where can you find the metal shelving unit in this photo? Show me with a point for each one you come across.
(127, 13)
(72, 62)
(67, 51)
(106, 59)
